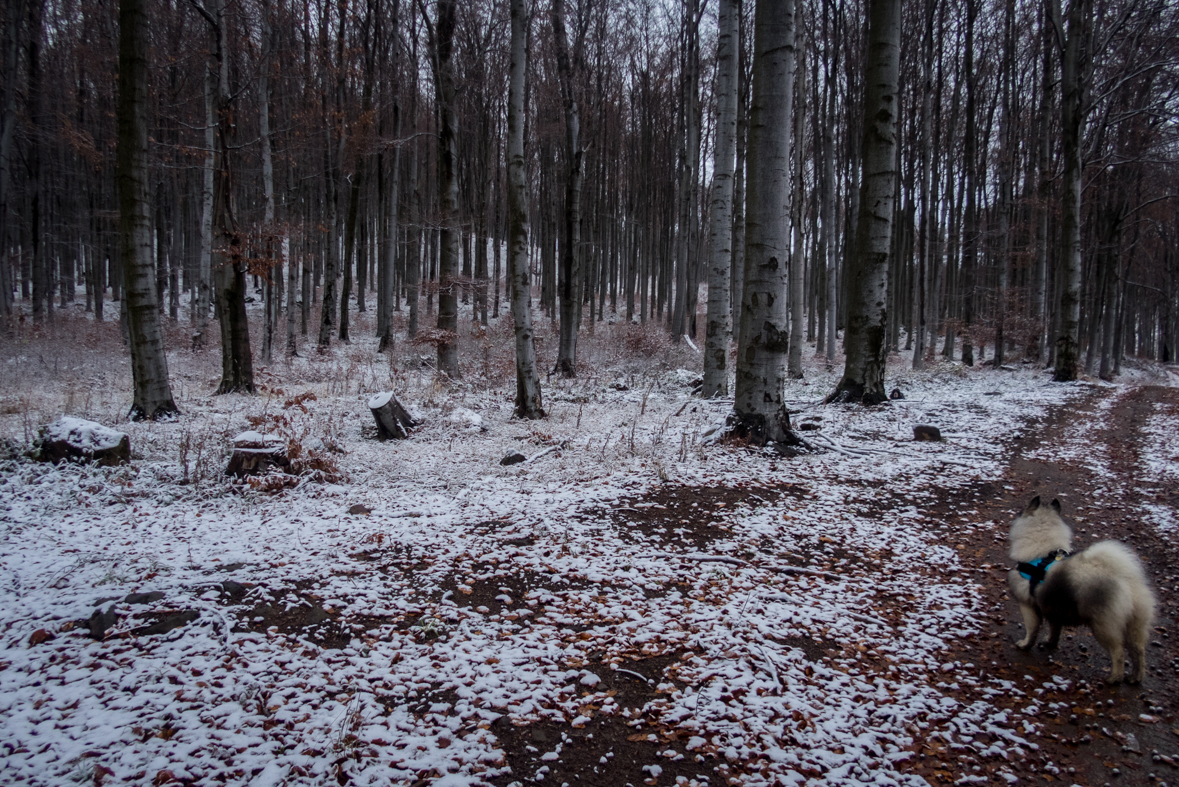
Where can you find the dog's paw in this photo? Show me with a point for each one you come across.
(1024, 644)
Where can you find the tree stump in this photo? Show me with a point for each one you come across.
(255, 454)
(393, 422)
(79, 440)
(927, 434)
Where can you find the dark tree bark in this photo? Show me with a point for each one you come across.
(571, 252)
(149, 364)
(1074, 47)
(229, 253)
(441, 36)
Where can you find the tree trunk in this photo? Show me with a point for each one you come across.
(797, 265)
(868, 262)
(1007, 152)
(201, 297)
(268, 228)
(149, 363)
(528, 394)
(717, 329)
(228, 258)
(571, 248)
(759, 411)
(448, 242)
(928, 208)
(7, 125)
(689, 157)
(1072, 119)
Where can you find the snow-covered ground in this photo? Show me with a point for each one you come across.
(800, 610)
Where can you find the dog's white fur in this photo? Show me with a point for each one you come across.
(1103, 587)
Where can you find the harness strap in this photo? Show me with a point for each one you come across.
(1036, 570)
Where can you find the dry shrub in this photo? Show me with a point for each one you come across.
(642, 340)
(309, 454)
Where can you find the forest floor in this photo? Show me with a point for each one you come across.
(638, 603)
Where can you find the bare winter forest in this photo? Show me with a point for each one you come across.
(579, 391)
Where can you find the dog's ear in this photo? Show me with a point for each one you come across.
(1033, 505)
(1056, 505)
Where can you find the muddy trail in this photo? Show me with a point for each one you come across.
(1087, 732)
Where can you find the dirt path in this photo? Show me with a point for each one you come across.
(1088, 733)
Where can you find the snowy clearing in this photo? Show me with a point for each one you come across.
(637, 588)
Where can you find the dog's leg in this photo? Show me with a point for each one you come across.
(1053, 636)
(1138, 632)
(1031, 622)
(1112, 642)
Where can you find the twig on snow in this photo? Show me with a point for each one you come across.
(853, 615)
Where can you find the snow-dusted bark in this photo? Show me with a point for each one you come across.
(764, 335)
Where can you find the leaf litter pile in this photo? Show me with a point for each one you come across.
(645, 604)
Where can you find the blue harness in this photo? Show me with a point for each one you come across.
(1034, 571)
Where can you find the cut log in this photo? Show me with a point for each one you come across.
(256, 454)
(79, 440)
(393, 422)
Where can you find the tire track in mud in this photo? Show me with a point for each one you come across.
(1088, 454)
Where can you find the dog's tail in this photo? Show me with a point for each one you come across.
(1118, 560)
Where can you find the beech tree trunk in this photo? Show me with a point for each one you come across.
(868, 262)
(759, 411)
(228, 255)
(448, 241)
(528, 395)
(571, 248)
(717, 328)
(149, 364)
(797, 264)
(1074, 46)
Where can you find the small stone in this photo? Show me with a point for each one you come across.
(233, 589)
(513, 458)
(144, 598)
(167, 623)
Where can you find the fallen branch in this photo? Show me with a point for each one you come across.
(643, 678)
(853, 615)
(827, 442)
(701, 558)
(806, 572)
(542, 454)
